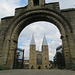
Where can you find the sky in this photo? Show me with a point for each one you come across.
(39, 29)
(7, 8)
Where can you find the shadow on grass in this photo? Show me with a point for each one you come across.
(4, 68)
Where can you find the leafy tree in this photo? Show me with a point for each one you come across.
(59, 60)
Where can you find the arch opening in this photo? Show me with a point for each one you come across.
(50, 31)
(32, 17)
(39, 67)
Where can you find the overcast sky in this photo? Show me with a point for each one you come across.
(39, 29)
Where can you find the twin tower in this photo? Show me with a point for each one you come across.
(39, 59)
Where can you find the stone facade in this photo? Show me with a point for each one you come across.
(11, 27)
(39, 59)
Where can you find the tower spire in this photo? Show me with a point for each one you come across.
(44, 41)
(32, 41)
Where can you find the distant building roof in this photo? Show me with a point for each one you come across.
(59, 47)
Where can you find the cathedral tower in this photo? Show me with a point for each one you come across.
(32, 55)
(33, 3)
(45, 54)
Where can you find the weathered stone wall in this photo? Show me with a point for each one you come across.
(20, 10)
(53, 6)
(3, 30)
(69, 14)
(0, 40)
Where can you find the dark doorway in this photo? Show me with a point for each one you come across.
(32, 67)
(39, 67)
(46, 67)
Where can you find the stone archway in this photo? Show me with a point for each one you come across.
(21, 20)
(17, 30)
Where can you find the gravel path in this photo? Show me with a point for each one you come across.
(37, 72)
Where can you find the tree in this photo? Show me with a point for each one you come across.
(59, 60)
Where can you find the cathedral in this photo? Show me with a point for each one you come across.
(39, 59)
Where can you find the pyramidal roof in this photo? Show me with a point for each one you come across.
(32, 41)
(44, 41)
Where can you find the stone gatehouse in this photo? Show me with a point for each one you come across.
(38, 10)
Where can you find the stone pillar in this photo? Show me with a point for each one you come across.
(1, 45)
(72, 48)
(45, 57)
(13, 46)
(5, 52)
(32, 57)
(67, 55)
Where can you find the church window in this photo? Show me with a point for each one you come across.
(39, 59)
(36, 2)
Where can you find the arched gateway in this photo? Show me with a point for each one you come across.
(11, 27)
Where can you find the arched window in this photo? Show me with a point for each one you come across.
(39, 59)
(36, 2)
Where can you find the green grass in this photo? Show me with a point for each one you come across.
(4, 68)
(73, 67)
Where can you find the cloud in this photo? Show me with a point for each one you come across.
(39, 29)
(7, 7)
(64, 4)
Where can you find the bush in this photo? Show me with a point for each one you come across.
(3, 67)
(73, 67)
